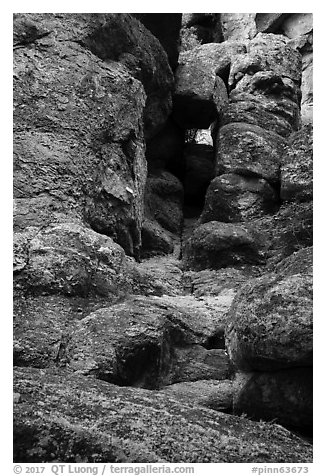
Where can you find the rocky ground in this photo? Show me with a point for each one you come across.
(163, 238)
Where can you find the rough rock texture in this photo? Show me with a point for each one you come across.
(238, 26)
(298, 262)
(270, 323)
(289, 230)
(157, 276)
(72, 418)
(79, 147)
(218, 245)
(164, 200)
(214, 394)
(117, 37)
(198, 104)
(297, 167)
(249, 150)
(72, 260)
(233, 198)
(200, 94)
(43, 324)
(267, 52)
(284, 396)
(221, 282)
(266, 100)
(133, 343)
(129, 358)
(166, 28)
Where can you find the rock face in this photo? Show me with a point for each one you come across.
(255, 101)
(117, 37)
(72, 260)
(75, 144)
(162, 237)
(123, 420)
(287, 231)
(270, 324)
(147, 342)
(267, 52)
(270, 342)
(249, 150)
(218, 245)
(297, 167)
(234, 198)
(200, 93)
(284, 395)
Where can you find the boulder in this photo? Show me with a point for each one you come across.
(72, 418)
(297, 24)
(299, 262)
(265, 100)
(267, 52)
(78, 138)
(297, 167)
(287, 231)
(157, 276)
(233, 198)
(200, 94)
(166, 28)
(269, 325)
(72, 260)
(43, 324)
(199, 99)
(134, 342)
(217, 245)
(117, 36)
(283, 396)
(249, 150)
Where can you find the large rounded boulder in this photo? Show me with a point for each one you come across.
(270, 323)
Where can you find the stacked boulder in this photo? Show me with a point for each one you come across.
(269, 341)
(263, 110)
(263, 167)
